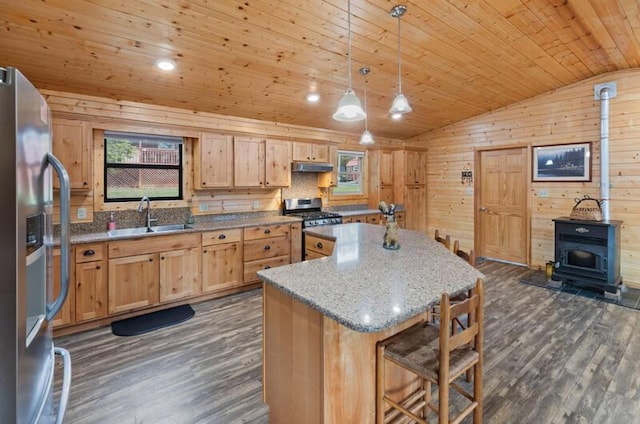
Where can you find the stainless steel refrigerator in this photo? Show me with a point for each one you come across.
(27, 301)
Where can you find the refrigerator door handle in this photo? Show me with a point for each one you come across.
(65, 246)
(66, 382)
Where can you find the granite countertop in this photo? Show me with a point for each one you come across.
(356, 212)
(368, 288)
(207, 226)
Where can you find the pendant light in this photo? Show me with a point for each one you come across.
(366, 138)
(400, 104)
(349, 107)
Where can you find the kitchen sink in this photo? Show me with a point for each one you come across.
(124, 232)
(170, 227)
(137, 231)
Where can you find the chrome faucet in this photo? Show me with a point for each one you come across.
(141, 208)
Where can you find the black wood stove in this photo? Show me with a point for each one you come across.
(587, 253)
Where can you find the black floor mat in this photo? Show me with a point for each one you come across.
(153, 321)
(630, 297)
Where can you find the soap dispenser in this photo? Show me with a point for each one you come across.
(111, 225)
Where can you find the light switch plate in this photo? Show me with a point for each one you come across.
(256, 204)
(203, 207)
(543, 192)
(82, 213)
(468, 191)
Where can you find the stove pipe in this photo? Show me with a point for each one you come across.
(604, 92)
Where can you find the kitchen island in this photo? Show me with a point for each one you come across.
(323, 318)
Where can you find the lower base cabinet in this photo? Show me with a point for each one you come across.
(179, 274)
(66, 314)
(221, 260)
(133, 282)
(90, 282)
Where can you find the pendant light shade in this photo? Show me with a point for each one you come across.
(349, 108)
(366, 138)
(400, 104)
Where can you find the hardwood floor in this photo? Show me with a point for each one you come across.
(550, 357)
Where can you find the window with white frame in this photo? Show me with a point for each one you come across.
(350, 173)
(137, 165)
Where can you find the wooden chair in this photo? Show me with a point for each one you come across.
(446, 241)
(437, 356)
(464, 255)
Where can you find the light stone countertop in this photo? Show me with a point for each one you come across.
(207, 226)
(368, 288)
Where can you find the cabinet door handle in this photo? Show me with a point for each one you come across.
(267, 231)
(89, 252)
(319, 245)
(98, 267)
(222, 237)
(162, 257)
(204, 251)
(267, 247)
(204, 183)
(150, 259)
(267, 266)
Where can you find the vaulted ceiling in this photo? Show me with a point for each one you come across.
(259, 58)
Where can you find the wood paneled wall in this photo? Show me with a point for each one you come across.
(111, 114)
(562, 116)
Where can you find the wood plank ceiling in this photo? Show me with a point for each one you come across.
(259, 58)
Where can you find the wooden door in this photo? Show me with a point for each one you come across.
(503, 223)
(213, 161)
(91, 290)
(319, 153)
(385, 194)
(221, 266)
(277, 163)
(66, 313)
(248, 169)
(179, 274)
(72, 145)
(301, 151)
(133, 282)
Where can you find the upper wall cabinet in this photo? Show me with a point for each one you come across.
(213, 163)
(248, 159)
(310, 152)
(261, 163)
(330, 179)
(72, 145)
(277, 163)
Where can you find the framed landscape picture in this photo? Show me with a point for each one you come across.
(565, 162)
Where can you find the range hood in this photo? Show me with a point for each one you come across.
(311, 167)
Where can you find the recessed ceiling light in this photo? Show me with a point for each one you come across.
(166, 64)
(313, 97)
(396, 116)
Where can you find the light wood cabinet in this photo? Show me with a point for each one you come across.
(248, 159)
(401, 219)
(261, 163)
(136, 274)
(213, 161)
(416, 207)
(380, 177)
(315, 247)
(179, 274)
(277, 163)
(221, 260)
(310, 152)
(265, 247)
(72, 141)
(133, 282)
(330, 179)
(90, 282)
(66, 314)
(410, 187)
(296, 242)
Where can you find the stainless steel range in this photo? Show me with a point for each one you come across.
(310, 210)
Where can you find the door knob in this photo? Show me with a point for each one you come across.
(483, 209)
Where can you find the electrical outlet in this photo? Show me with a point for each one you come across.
(82, 213)
(543, 192)
(256, 204)
(203, 207)
(468, 191)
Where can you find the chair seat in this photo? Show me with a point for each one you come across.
(417, 348)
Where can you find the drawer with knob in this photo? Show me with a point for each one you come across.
(89, 253)
(210, 238)
(266, 248)
(322, 246)
(251, 268)
(267, 231)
